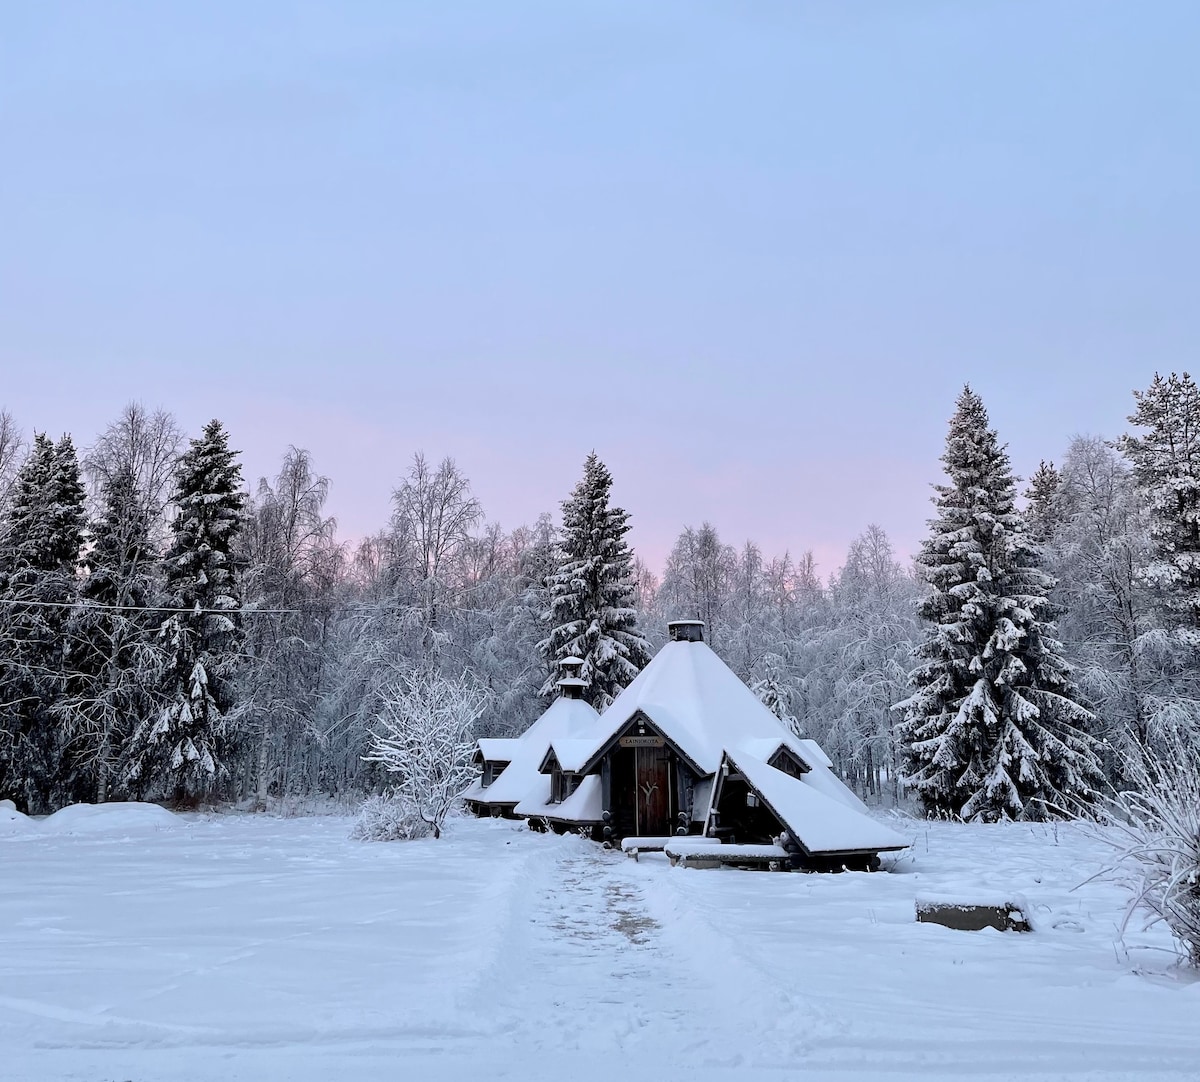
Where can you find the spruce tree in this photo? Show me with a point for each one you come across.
(38, 586)
(591, 612)
(1045, 498)
(1166, 464)
(184, 750)
(994, 729)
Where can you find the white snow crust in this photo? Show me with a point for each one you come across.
(13, 821)
(120, 817)
(248, 948)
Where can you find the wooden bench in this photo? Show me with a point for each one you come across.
(709, 853)
(1010, 915)
(631, 847)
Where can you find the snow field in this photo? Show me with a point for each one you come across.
(866, 988)
(241, 947)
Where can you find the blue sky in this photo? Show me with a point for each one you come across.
(747, 252)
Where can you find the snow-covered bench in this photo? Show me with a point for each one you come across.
(631, 847)
(708, 853)
(1004, 913)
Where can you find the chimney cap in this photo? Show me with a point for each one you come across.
(571, 662)
(686, 630)
(571, 687)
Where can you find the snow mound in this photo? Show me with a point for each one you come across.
(12, 821)
(124, 817)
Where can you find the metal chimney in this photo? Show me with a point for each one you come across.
(570, 685)
(686, 630)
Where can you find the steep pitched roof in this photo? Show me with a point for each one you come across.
(582, 806)
(564, 719)
(816, 818)
(496, 749)
(699, 704)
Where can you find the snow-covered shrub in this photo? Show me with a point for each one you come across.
(386, 817)
(425, 736)
(1157, 826)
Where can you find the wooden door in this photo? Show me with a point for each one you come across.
(653, 791)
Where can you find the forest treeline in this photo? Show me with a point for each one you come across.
(167, 632)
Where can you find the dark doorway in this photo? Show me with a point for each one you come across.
(624, 792)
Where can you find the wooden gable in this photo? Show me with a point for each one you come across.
(787, 761)
(640, 731)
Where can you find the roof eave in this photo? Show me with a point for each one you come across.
(604, 749)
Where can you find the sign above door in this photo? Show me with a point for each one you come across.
(642, 742)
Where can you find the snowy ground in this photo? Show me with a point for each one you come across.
(150, 948)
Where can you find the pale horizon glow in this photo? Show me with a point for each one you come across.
(747, 253)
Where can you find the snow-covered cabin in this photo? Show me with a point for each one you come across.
(687, 748)
(511, 783)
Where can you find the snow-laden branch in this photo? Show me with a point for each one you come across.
(425, 736)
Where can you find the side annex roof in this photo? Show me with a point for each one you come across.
(819, 822)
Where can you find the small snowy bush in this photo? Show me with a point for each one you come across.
(424, 736)
(1157, 824)
(386, 817)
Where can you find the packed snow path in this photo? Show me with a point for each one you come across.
(136, 947)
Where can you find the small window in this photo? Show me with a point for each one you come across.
(491, 771)
(562, 785)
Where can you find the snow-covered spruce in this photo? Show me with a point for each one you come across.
(591, 594)
(994, 729)
(1166, 463)
(182, 751)
(39, 563)
(425, 736)
(1044, 496)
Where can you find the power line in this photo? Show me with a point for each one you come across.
(195, 611)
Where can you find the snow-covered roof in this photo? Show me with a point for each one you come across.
(572, 754)
(582, 806)
(698, 703)
(818, 820)
(475, 791)
(536, 799)
(812, 752)
(564, 719)
(765, 747)
(498, 749)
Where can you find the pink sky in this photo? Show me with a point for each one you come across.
(748, 253)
